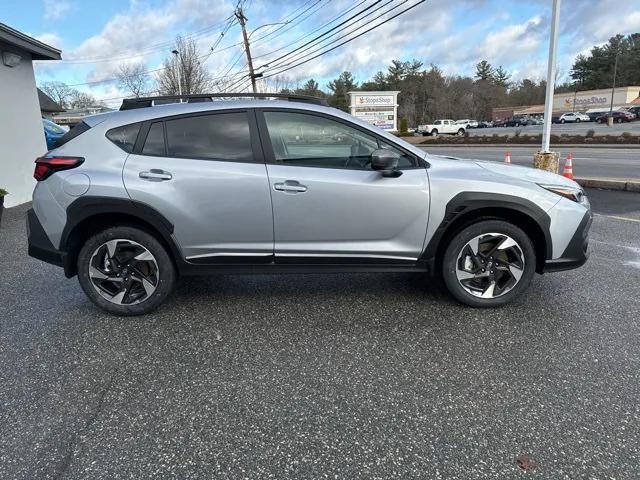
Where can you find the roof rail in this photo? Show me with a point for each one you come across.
(142, 102)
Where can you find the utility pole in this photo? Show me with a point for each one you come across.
(179, 59)
(242, 19)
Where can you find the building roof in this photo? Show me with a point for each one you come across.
(47, 104)
(37, 49)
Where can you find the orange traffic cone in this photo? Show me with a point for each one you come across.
(568, 167)
(507, 157)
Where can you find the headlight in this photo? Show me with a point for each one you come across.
(572, 193)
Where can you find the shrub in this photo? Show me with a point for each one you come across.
(626, 135)
(3, 192)
(590, 133)
(404, 126)
(517, 132)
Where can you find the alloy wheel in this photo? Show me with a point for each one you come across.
(123, 272)
(490, 265)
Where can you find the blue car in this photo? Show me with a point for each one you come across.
(52, 132)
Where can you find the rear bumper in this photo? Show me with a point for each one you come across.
(577, 252)
(40, 246)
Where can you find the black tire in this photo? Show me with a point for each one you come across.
(562, 120)
(166, 270)
(460, 132)
(578, 120)
(619, 120)
(434, 132)
(458, 242)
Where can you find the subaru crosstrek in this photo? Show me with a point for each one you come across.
(130, 200)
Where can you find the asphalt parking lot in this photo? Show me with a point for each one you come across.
(591, 162)
(566, 128)
(335, 376)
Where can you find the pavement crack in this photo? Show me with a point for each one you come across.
(70, 447)
(100, 404)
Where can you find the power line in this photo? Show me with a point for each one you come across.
(310, 42)
(149, 49)
(311, 32)
(291, 22)
(347, 41)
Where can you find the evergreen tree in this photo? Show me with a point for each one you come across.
(484, 71)
(339, 89)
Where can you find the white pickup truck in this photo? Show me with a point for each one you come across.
(441, 126)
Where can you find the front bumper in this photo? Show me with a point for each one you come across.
(577, 251)
(40, 246)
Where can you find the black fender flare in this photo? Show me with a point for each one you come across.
(465, 203)
(85, 208)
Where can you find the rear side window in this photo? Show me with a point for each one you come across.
(154, 144)
(71, 134)
(125, 136)
(220, 136)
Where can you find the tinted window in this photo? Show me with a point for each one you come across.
(125, 136)
(405, 161)
(71, 134)
(154, 144)
(314, 141)
(221, 136)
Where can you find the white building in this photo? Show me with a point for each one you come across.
(21, 132)
(377, 108)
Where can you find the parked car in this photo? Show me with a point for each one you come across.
(467, 123)
(518, 121)
(485, 124)
(52, 132)
(618, 116)
(635, 110)
(131, 200)
(500, 122)
(574, 117)
(441, 126)
(593, 116)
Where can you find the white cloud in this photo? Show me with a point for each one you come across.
(51, 39)
(55, 9)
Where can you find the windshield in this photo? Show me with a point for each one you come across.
(52, 127)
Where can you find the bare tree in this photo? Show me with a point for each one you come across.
(58, 91)
(133, 78)
(81, 99)
(184, 70)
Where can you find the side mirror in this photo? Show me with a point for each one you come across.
(386, 162)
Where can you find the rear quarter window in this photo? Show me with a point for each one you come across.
(124, 136)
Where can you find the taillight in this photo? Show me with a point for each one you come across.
(47, 166)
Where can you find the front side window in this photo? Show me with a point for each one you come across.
(313, 141)
(219, 136)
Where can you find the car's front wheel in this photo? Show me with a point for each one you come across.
(460, 132)
(125, 271)
(434, 133)
(489, 263)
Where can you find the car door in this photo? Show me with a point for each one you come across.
(329, 206)
(205, 174)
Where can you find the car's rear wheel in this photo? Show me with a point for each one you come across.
(460, 132)
(434, 133)
(125, 271)
(489, 263)
(578, 120)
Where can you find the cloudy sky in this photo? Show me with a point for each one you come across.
(96, 36)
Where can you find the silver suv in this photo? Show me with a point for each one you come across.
(130, 200)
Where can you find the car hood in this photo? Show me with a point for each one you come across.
(530, 174)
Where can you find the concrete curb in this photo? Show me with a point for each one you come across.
(610, 184)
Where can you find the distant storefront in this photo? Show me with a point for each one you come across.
(377, 108)
(580, 101)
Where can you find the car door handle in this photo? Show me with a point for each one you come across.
(155, 175)
(290, 186)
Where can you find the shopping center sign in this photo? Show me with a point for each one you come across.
(377, 108)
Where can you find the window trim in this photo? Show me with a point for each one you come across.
(254, 139)
(269, 154)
